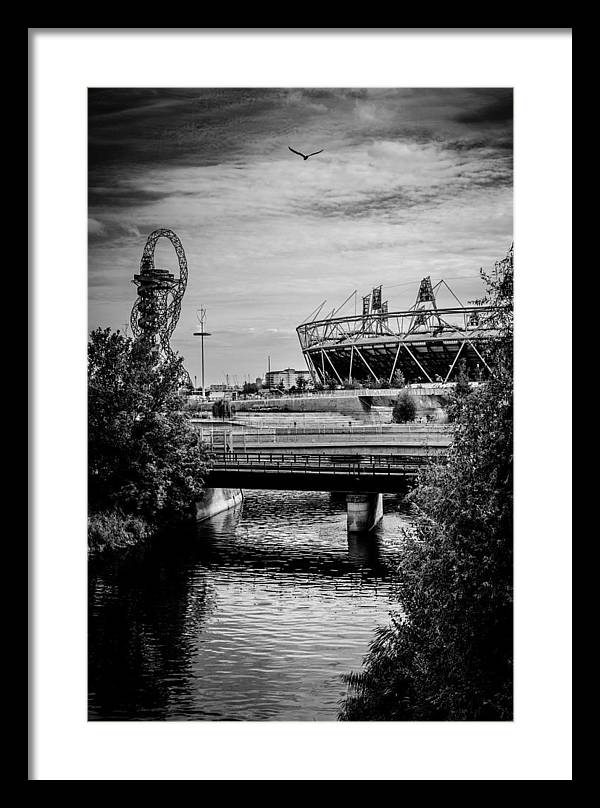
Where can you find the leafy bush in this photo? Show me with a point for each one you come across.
(404, 409)
(222, 408)
(399, 380)
(462, 387)
(113, 530)
(447, 653)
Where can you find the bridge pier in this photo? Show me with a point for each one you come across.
(216, 500)
(364, 510)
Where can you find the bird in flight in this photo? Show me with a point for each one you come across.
(305, 156)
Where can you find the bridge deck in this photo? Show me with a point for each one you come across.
(350, 472)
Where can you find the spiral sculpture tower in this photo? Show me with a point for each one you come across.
(156, 311)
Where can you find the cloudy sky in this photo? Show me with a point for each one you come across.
(412, 182)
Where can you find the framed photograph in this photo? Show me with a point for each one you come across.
(284, 506)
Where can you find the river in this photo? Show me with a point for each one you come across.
(252, 615)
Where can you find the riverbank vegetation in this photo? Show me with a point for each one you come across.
(145, 461)
(447, 652)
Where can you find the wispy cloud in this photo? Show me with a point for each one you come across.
(411, 182)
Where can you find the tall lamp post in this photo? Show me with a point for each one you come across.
(202, 333)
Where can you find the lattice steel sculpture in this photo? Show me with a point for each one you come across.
(156, 311)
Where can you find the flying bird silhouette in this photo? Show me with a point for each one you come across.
(305, 156)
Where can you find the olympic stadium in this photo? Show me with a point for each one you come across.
(425, 343)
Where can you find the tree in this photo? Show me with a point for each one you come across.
(462, 387)
(301, 384)
(249, 388)
(144, 457)
(221, 408)
(447, 654)
(404, 409)
(399, 380)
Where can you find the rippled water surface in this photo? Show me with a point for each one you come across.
(252, 615)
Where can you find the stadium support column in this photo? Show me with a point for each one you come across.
(314, 370)
(365, 511)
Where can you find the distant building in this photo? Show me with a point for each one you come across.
(229, 391)
(289, 377)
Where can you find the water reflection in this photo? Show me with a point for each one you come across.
(145, 613)
(364, 550)
(251, 615)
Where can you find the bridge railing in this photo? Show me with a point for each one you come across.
(355, 465)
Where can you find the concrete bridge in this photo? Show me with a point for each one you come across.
(364, 464)
(379, 473)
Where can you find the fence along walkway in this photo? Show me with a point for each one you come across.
(422, 434)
